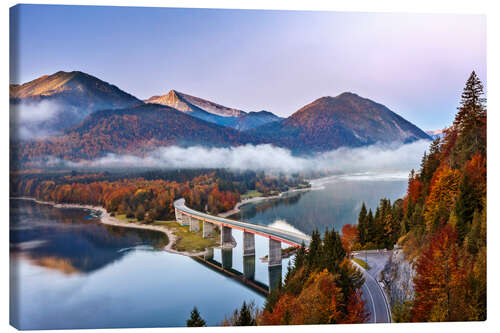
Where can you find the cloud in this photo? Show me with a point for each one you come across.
(32, 120)
(375, 158)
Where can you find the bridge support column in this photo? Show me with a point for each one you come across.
(208, 229)
(178, 216)
(184, 219)
(226, 235)
(194, 225)
(248, 244)
(274, 252)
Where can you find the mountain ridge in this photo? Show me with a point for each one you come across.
(74, 95)
(345, 120)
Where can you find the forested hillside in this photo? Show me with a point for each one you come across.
(322, 287)
(150, 195)
(441, 221)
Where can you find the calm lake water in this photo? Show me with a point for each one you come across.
(70, 271)
(336, 201)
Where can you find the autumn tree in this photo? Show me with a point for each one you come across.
(440, 284)
(350, 237)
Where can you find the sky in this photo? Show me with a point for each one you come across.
(415, 64)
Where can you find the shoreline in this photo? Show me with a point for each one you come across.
(316, 184)
(236, 208)
(106, 218)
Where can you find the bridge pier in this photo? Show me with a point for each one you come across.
(226, 236)
(178, 216)
(208, 229)
(194, 225)
(274, 252)
(248, 244)
(184, 219)
(249, 267)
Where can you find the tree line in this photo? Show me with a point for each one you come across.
(149, 196)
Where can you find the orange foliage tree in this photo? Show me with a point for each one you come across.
(440, 281)
(350, 237)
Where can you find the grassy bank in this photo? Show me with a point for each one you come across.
(186, 241)
(361, 263)
(251, 194)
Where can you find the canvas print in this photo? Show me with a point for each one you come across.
(222, 167)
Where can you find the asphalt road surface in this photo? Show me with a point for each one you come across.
(373, 294)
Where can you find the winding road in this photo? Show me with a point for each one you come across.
(376, 302)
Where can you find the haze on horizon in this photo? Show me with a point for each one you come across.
(415, 64)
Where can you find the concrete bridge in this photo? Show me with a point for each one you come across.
(187, 216)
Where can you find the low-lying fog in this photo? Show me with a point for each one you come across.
(389, 159)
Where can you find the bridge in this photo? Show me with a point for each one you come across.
(187, 216)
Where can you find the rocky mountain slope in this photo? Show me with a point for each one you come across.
(68, 97)
(333, 122)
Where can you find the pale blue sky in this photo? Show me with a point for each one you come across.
(415, 64)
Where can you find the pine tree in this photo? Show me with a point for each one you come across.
(245, 316)
(313, 255)
(470, 122)
(370, 223)
(195, 320)
(362, 225)
(473, 238)
(472, 106)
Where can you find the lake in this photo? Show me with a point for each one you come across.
(68, 270)
(333, 202)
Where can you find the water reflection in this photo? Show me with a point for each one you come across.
(71, 240)
(70, 271)
(275, 276)
(249, 267)
(227, 258)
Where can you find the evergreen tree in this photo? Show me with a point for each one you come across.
(195, 320)
(470, 122)
(245, 317)
(465, 206)
(472, 241)
(313, 255)
(370, 222)
(362, 225)
(300, 256)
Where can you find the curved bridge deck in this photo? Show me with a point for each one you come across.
(291, 238)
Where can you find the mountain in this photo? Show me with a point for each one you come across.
(133, 130)
(325, 124)
(68, 97)
(434, 134)
(199, 108)
(255, 119)
(213, 112)
(187, 103)
(333, 122)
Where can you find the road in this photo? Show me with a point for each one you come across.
(376, 302)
